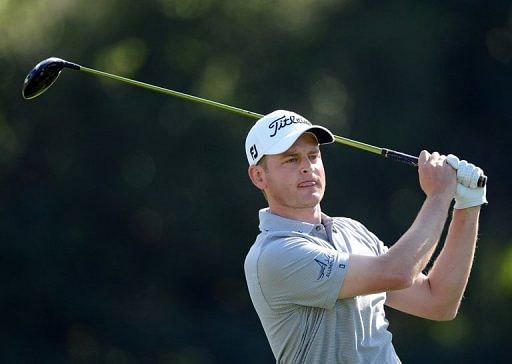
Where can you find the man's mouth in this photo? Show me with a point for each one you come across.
(307, 184)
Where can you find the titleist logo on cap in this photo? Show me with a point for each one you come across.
(284, 121)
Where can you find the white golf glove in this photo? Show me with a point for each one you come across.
(468, 193)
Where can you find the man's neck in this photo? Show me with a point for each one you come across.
(312, 215)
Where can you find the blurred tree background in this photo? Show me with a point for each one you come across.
(126, 215)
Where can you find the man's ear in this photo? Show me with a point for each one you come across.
(257, 176)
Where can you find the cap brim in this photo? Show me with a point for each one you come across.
(323, 135)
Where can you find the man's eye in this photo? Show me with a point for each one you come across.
(291, 160)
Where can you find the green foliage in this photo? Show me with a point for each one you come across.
(126, 215)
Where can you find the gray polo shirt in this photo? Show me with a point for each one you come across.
(294, 273)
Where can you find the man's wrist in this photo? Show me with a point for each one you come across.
(443, 200)
(467, 212)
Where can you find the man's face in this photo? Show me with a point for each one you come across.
(294, 179)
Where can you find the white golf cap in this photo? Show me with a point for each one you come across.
(276, 132)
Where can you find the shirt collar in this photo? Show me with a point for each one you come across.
(272, 222)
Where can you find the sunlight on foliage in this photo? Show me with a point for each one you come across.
(304, 15)
(124, 58)
(32, 27)
(451, 333)
(330, 101)
(178, 9)
(505, 272)
(291, 16)
(26, 26)
(3, 5)
(220, 79)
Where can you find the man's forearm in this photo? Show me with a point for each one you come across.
(449, 275)
(413, 250)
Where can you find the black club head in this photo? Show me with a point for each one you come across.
(43, 75)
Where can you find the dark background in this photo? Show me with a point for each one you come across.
(125, 215)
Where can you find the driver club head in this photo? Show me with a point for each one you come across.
(43, 75)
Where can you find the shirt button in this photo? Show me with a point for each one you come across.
(318, 228)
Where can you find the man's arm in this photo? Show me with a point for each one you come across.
(401, 264)
(399, 267)
(437, 296)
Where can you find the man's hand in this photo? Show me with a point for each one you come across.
(468, 193)
(437, 178)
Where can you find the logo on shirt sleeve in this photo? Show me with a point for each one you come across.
(325, 263)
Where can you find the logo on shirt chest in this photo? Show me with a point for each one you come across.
(325, 264)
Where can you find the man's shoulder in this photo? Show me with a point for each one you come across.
(277, 241)
(347, 222)
(276, 246)
(360, 233)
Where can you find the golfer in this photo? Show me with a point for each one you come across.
(319, 284)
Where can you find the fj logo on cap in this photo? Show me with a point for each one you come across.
(253, 151)
(284, 121)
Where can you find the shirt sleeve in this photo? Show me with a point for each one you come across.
(298, 271)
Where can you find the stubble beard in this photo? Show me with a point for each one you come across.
(299, 202)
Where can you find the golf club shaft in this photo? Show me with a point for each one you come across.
(401, 157)
(166, 91)
(44, 74)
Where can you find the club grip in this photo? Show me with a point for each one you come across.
(413, 161)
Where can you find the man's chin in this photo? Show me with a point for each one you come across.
(312, 200)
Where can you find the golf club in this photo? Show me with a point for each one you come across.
(45, 73)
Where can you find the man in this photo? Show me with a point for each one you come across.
(319, 284)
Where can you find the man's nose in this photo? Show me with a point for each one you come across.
(305, 166)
